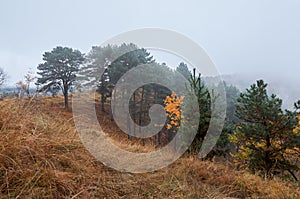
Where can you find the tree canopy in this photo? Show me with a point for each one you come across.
(59, 69)
(266, 136)
(183, 69)
(106, 65)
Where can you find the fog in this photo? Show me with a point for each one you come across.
(253, 39)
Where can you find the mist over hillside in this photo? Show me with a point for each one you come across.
(285, 87)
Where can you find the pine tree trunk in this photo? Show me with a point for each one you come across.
(128, 126)
(267, 157)
(66, 96)
(128, 116)
(141, 114)
(102, 102)
(114, 105)
(134, 114)
(158, 140)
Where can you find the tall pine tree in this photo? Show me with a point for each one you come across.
(59, 70)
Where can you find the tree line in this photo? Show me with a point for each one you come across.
(258, 135)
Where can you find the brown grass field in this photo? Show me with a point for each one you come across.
(41, 156)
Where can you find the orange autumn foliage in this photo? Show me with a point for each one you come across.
(173, 109)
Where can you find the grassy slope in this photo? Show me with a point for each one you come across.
(41, 156)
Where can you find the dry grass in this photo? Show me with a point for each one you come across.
(41, 156)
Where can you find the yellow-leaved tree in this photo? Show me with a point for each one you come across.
(173, 110)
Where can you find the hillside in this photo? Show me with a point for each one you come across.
(282, 85)
(41, 156)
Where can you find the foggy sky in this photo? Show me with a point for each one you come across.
(254, 36)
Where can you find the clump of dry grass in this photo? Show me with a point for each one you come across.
(41, 156)
(32, 162)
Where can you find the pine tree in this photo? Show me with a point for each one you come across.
(204, 102)
(59, 69)
(265, 136)
(183, 69)
(112, 62)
